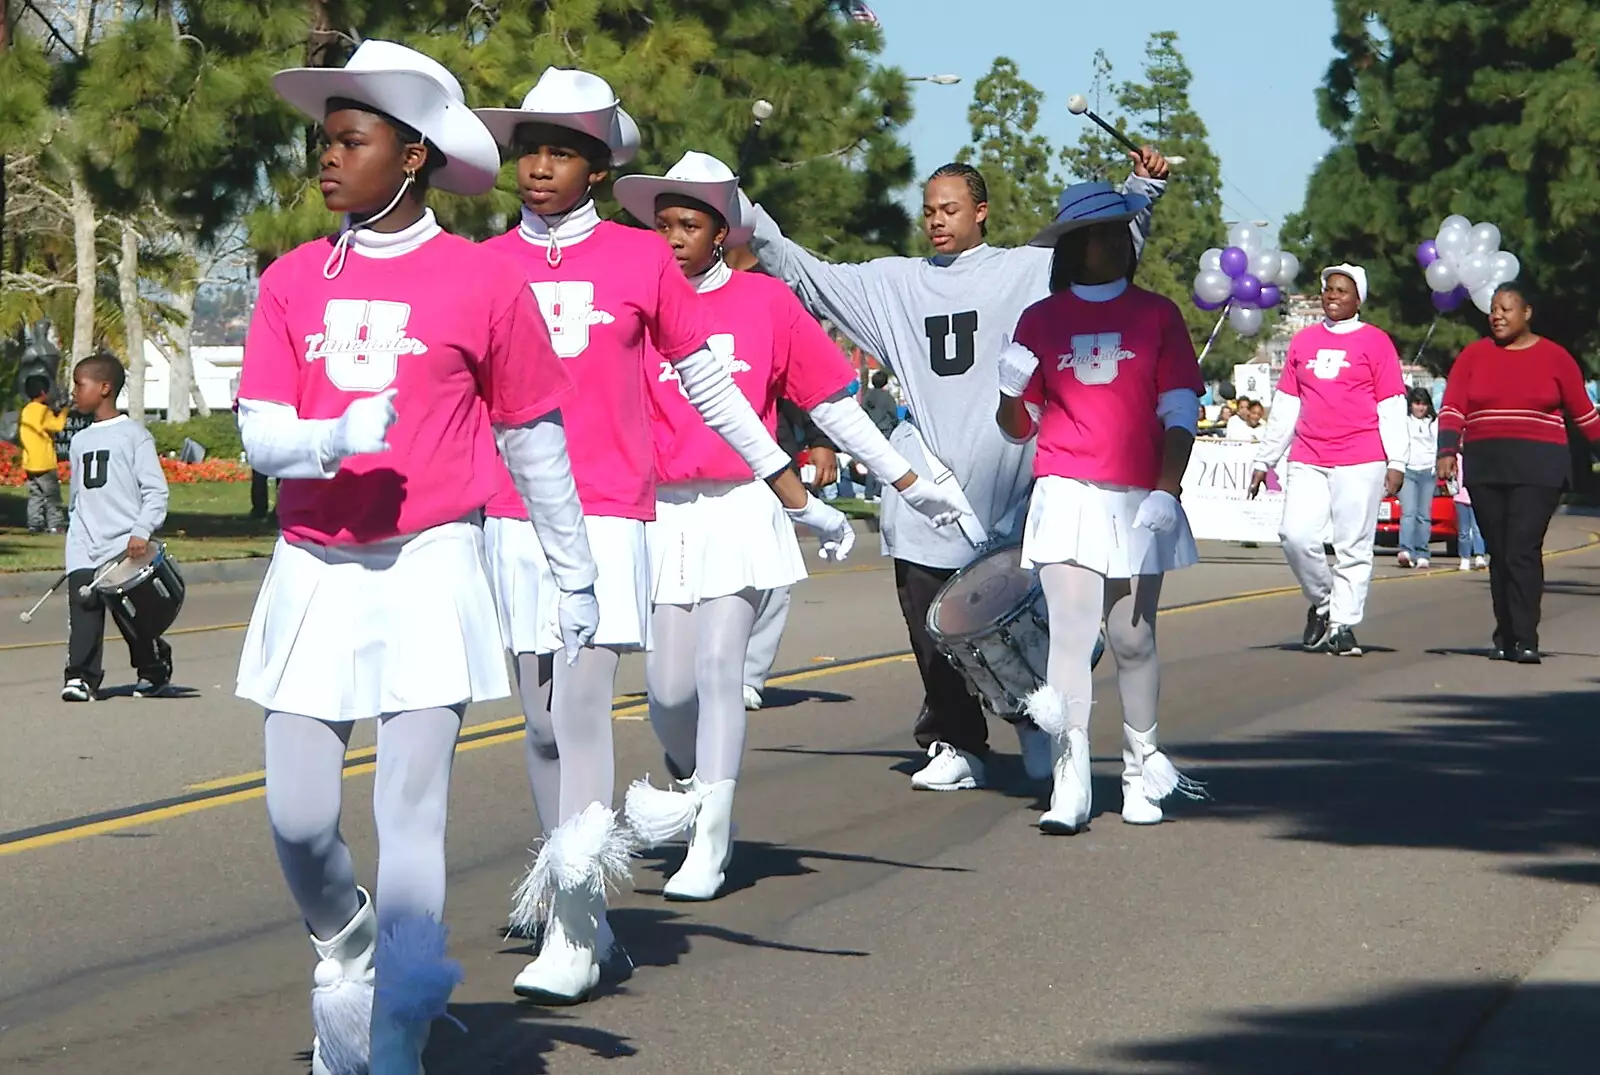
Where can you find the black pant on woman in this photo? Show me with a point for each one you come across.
(1513, 519)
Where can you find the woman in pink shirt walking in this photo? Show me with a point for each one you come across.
(1340, 412)
(1104, 374)
(379, 368)
(719, 542)
(612, 296)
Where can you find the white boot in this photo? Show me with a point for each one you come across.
(656, 816)
(567, 888)
(415, 977)
(710, 847)
(1070, 797)
(341, 1002)
(1148, 776)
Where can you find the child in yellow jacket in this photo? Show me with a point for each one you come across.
(37, 427)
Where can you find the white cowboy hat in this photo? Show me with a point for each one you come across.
(1356, 273)
(575, 100)
(699, 176)
(1086, 204)
(414, 89)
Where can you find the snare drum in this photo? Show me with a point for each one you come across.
(143, 594)
(990, 621)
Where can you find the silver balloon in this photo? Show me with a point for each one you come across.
(1264, 266)
(1455, 222)
(1475, 271)
(1246, 320)
(1506, 267)
(1211, 261)
(1288, 268)
(1213, 285)
(1246, 237)
(1454, 243)
(1485, 239)
(1442, 276)
(1483, 297)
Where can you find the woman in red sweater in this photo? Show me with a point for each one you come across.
(1504, 408)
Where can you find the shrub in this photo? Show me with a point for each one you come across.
(218, 434)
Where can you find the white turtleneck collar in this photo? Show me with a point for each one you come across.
(713, 278)
(555, 232)
(393, 244)
(1100, 292)
(1342, 328)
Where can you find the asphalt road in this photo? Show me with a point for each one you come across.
(1393, 842)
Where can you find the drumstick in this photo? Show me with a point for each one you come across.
(1078, 105)
(27, 617)
(85, 591)
(760, 112)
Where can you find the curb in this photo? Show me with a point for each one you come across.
(1546, 1026)
(243, 569)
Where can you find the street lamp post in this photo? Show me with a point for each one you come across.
(937, 80)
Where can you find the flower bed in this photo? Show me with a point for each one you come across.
(211, 470)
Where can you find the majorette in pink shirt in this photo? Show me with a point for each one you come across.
(614, 293)
(1339, 378)
(773, 349)
(1102, 369)
(450, 326)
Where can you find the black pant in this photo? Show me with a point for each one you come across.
(951, 714)
(1513, 519)
(258, 494)
(150, 657)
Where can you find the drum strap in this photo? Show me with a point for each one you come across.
(932, 467)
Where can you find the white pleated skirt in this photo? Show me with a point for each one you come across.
(712, 539)
(1091, 525)
(345, 633)
(528, 599)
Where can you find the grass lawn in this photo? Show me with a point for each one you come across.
(854, 508)
(205, 521)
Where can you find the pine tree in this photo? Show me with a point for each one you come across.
(1014, 161)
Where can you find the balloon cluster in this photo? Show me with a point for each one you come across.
(1246, 278)
(1465, 261)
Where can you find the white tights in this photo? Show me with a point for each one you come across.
(1076, 599)
(696, 682)
(410, 798)
(567, 715)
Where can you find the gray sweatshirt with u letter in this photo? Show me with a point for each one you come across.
(939, 323)
(118, 491)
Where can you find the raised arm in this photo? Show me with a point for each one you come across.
(844, 294)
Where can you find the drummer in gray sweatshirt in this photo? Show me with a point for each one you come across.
(119, 498)
(940, 324)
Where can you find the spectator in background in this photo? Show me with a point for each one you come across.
(36, 429)
(1416, 495)
(1469, 539)
(1245, 424)
(880, 404)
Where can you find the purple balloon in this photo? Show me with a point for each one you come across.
(1247, 289)
(1427, 252)
(1235, 262)
(1204, 305)
(1270, 296)
(1448, 301)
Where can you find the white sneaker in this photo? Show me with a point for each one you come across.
(1072, 796)
(76, 690)
(1466, 564)
(949, 770)
(1036, 749)
(752, 698)
(1423, 563)
(1480, 563)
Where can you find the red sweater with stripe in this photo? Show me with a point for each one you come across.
(1505, 411)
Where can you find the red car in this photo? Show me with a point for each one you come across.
(1444, 520)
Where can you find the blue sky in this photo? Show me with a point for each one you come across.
(1253, 77)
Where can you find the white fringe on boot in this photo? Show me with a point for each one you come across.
(590, 851)
(415, 972)
(657, 815)
(1047, 707)
(1162, 778)
(341, 1014)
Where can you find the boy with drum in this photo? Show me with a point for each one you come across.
(119, 498)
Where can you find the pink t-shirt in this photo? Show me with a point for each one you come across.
(614, 294)
(1102, 369)
(452, 328)
(773, 349)
(1339, 378)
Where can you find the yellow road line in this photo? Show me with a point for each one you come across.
(509, 729)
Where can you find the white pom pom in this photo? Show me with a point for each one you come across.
(341, 1014)
(1047, 707)
(415, 972)
(761, 110)
(656, 815)
(328, 972)
(1077, 104)
(587, 851)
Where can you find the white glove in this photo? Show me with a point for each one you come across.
(933, 501)
(1017, 367)
(364, 425)
(578, 613)
(1157, 513)
(830, 524)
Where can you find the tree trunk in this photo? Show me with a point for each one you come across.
(83, 248)
(180, 360)
(133, 322)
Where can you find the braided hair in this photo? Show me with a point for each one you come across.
(974, 181)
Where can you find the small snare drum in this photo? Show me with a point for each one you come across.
(990, 621)
(143, 594)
